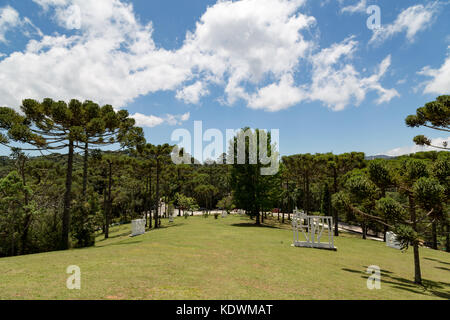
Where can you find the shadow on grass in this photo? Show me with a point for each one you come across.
(436, 288)
(123, 234)
(167, 226)
(443, 268)
(245, 225)
(436, 260)
(121, 243)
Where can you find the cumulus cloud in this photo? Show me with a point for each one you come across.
(337, 83)
(241, 42)
(440, 82)
(250, 48)
(358, 7)
(193, 93)
(151, 121)
(415, 148)
(411, 21)
(278, 96)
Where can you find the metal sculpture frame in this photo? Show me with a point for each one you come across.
(312, 228)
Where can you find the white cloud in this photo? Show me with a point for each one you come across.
(358, 7)
(440, 84)
(411, 21)
(251, 48)
(415, 148)
(241, 42)
(278, 96)
(337, 83)
(151, 121)
(111, 59)
(9, 18)
(192, 93)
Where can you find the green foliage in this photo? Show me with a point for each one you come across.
(430, 195)
(83, 224)
(12, 213)
(406, 236)
(434, 115)
(326, 201)
(226, 204)
(391, 209)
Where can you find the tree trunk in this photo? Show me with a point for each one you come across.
(364, 230)
(385, 228)
(26, 227)
(109, 206)
(150, 199)
(85, 169)
(412, 212)
(257, 220)
(335, 212)
(307, 195)
(105, 210)
(67, 200)
(447, 237)
(434, 235)
(157, 194)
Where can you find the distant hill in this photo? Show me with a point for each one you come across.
(380, 156)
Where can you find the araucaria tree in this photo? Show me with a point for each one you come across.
(252, 189)
(434, 115)
(51, 126)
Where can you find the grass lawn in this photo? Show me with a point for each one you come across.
(227, 258)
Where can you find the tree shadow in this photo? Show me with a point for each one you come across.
(166, 226)
(436, 288)
(436, 260)
(443, 268)
(249, 225)
(115, 236)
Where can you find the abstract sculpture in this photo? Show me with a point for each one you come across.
(312, 228)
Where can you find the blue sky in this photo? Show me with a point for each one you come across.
(312, 69)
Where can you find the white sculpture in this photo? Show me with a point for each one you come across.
(171, 218)
(391, 240)
(137, 227)
(314, 225)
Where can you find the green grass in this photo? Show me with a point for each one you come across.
(228, 258)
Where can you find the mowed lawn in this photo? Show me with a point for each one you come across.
(204, 258)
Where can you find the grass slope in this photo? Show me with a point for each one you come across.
(228, 258)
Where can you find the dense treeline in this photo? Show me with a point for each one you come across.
(62, 199)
